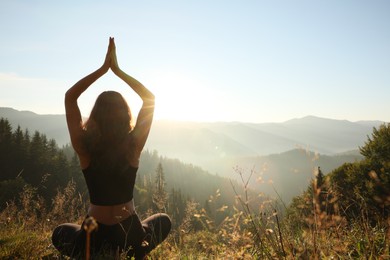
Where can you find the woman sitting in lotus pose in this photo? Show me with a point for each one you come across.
(109, 150)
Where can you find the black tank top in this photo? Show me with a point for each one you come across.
(108, 186)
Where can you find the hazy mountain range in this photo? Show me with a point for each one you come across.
(202, 142)
(285, 154)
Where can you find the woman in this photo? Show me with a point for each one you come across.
(109, 151)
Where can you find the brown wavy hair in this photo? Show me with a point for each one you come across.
(109, 123)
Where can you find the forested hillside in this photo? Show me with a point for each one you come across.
(358, 190)
(283, 156)
(289, 172)
(341, 215)
(33, 160)
(53, 126)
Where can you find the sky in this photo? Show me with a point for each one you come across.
(216, 60)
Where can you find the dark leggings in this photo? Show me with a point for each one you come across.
(132, 236)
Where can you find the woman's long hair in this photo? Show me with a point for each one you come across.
(108, 126)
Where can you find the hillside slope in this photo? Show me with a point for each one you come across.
(282, 148)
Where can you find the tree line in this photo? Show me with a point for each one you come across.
(162, 185)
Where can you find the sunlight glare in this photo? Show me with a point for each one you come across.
(181, 97)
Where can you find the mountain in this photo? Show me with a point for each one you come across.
(200, 142)
(53, 126)
(286, 153)
(283, 175)
(205, 143)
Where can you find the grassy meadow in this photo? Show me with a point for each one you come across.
(342, 215)
(25, 231)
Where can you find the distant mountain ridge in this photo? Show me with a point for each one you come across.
(201, 142)
(210, 141)
(53, 126)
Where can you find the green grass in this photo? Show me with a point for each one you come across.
(18, 242)
(25, 233)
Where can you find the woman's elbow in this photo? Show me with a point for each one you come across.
(150, 98)
(69, 97)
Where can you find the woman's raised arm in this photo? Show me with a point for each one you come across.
(73, 115)
(145, 115)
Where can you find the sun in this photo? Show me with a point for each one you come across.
(180, 97)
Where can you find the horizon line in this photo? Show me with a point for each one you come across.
(216, 121)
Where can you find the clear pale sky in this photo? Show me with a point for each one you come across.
(215, 60)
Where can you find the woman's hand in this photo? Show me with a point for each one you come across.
(107, 62)
(113, 59)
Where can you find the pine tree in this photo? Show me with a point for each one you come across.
(176, 207)
(319, 178)
(377, 147)
(321, 191)
(160, 195)
(6, 170)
